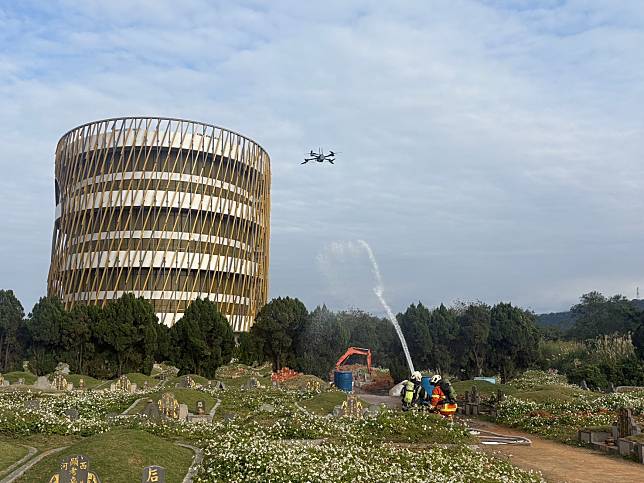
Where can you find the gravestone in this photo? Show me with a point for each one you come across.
(472, 402)
(59, 383)
(352, 407)
(74, 469)
(72, 414)
(200, 418)
(153, 474)
(217, 385)
(32, 404)
(228, 417)
(81, 384)
(151, 410)
(123, 383)
(201, 407)
(267, 408)
(584, 385)
(625, 425)
(183, 412)
(146, 385)
(186, 382)
(169, 406)
(43, 383)
(21, 381)
(252, 383)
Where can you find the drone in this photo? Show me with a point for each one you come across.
(320, 157)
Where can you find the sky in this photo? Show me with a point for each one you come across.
(490, 150)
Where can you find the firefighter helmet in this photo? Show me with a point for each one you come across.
(436, 379)
(416, 376)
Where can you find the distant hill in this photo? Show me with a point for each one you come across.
(565, 320)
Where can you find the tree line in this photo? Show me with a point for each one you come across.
(122, 337)
(605, 345)
(466, 340)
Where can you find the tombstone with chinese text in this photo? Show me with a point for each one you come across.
(153, 474)
(169, 406)
(74, 469)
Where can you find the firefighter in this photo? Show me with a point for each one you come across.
(443, 397)
(413, 391)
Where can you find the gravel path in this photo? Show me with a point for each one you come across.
(562, 463)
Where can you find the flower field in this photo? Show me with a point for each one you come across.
(561, 418)
(267, 435)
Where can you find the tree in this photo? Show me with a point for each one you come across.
(443, 329)
(202, 339)
(322, 341)
(44, 329)
(124, 326)
(513, 340)
(11, 316)
(77, 336)
(474, 324)
(249, 351)
(597, 315)
(638, 337)
(276, 326)
(415, 326)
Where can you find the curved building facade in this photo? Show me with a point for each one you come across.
(168, 209)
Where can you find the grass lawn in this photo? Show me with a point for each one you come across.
(197, 379)
(184, 396)
(41, 441)
(324, 403)
(9, 454)
(485, 388)
(119, 457)
(13, 377)
(90, 382)
(554, 393)
(139, 379)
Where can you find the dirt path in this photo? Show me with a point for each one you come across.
(561, 463)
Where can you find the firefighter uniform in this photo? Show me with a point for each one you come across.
(441, 402)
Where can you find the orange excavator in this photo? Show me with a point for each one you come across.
(354, 351)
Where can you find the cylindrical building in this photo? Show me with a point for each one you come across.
(167, 209)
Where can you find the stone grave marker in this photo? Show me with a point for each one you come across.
(186, 382)
(252, 383)
(32, 404)
(201, 407)
(74, 469)
(169, 406)
(151, 410)
(472, 402)
(183, 412)
(146, 385)
(626, 425)
(584, 385)
(81, 384)
(59, 383)
(217, 385)
(153, 474)
(352, 407)
(72, 414)
(123, 383)
(21, 381)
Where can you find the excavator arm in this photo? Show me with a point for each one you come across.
(354, 351)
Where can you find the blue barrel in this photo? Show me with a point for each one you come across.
(427, 385)
(343, 380)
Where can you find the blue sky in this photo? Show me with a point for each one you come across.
(491, 150)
